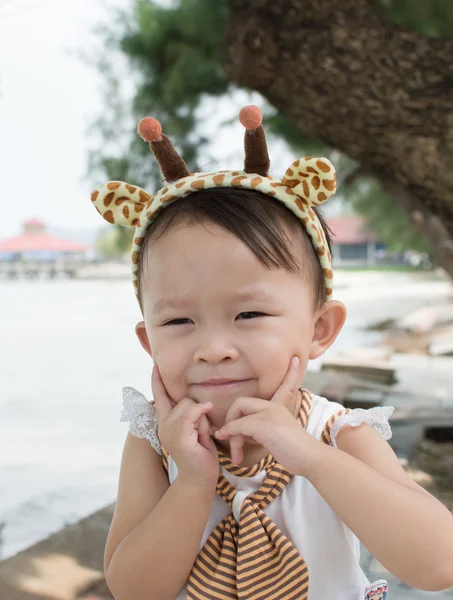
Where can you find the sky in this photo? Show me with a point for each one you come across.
(48, 97)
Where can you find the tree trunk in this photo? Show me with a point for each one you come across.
(383, 95)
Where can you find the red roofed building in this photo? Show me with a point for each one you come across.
(35, 243)
(352, 242)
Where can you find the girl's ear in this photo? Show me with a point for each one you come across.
(143, 337)
(328, 325)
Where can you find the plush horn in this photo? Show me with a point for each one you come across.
(171, 164)
(256, 155)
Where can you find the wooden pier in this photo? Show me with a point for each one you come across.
(58, 269)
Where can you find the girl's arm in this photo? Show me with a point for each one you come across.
(405, 528)
(156, 528)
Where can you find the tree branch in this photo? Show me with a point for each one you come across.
(344, 74)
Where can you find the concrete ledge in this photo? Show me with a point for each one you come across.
(65, 566)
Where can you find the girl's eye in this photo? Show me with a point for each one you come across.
(250, 315)
(178, 322)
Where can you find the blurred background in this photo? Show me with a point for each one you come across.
(368, 83)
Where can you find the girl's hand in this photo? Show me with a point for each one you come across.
(185, 433)
(270, 424)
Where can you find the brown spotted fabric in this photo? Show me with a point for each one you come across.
(307, 183)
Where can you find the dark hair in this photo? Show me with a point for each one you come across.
(259, 221)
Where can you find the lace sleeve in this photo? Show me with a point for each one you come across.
(376, 417)
(142, 417)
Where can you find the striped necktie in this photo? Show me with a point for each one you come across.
(252, 559)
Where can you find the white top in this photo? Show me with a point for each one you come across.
(330, 550)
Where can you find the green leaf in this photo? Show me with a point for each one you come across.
(432, 18)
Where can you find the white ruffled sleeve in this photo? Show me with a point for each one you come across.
(142, 417)
(377, 418)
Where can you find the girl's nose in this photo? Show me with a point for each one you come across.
(215, 348)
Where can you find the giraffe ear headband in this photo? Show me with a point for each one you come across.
(307, 183)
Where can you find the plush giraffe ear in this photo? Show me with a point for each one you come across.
(121, 203)
(312, 178)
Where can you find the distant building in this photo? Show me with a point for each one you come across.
(353, 243)
(35, 244)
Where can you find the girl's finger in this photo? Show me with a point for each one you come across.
(246, 427)
(290, 383)
(245, 406)
(203, 426)
(191, 420)
(234, 413)
(209, 445)
(162, 400)
(194, 413)
(204, 431)
(237, 449)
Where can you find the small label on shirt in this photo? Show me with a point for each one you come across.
(375, 591)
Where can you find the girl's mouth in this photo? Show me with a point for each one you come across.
(221, 384)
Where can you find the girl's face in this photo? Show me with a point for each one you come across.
(219, 324)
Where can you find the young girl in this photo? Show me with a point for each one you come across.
(235, 482)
